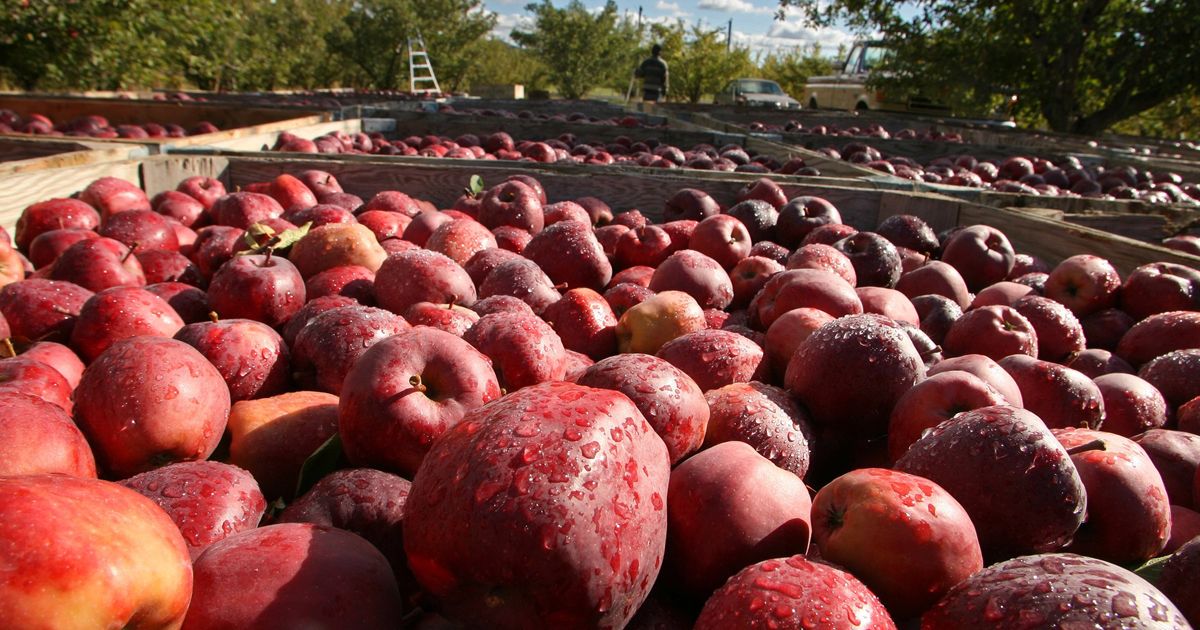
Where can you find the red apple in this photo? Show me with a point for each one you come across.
(233, 591)
(697, 275)
(723, 238)
(98, 264)
(328, 345)
(981, 254)
(111, 195)
(570, 254)
(121, 313)
(1045, 591)
(714, 358)
(261, 287)
(206, 190)
(766, 418)
(1131, 405)
(667, 397)
(993, 331)
(731, 507)
(53, 214)
(906, 537)
(135, 422)
(1025, 472)
(934, 400)
(1060, 396)
(1160, 287)
(1084, 283)
(1129, 519)
(555, 567)
(875, 363)
(407, 390)
(129, 566)
(421, 276)
(251, 357)
(207, 500)
(40, 437)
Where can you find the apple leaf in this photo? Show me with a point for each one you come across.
(1152, 568)
(327, 458)
(262, 238)
(476, 186)
(290, 237)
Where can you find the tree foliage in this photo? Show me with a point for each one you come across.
(700, 63)
(234, 44)
(581, 50)
(791, 69)
(1077, 65)
(501, 63)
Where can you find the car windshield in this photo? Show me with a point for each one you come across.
(874, 57)
(760, 87)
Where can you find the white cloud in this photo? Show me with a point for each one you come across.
(507, 22)
(781, 38)
(738, 6)
(671, 7)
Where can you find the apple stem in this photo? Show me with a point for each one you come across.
(267, 260)
(415, 381)
(213, 317)
(8, 348)
(1094, 445)
(560, 286)
(130, 252)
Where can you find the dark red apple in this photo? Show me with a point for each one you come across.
(98, 264)
(784, 592)
(1084, 283)
(261, 287)
(488, 474)
(328, 345)
(251, 357)
(731, 507)
(1129, 518)
(135, 421)
(1025, 471)
(1060, 396)
(405, 391)
(981, 254)
(993, 331)
(1046, 591)
(120, 313)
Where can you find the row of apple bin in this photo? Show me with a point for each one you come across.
(294, 402)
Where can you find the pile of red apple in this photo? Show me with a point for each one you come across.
(95, 126)
(1067, 177)
(870, 130)
(290, 406)
(573, 118)
(566, 148)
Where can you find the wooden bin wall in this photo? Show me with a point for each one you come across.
(20, 154)
(441, 182)
(233, 121)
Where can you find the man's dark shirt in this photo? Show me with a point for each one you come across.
(653, 73)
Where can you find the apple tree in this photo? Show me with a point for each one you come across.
(580, 49)
(700, 62)
(373, 37)
(791, 69)
(1078, 66)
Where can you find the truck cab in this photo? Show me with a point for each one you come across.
(847, 89)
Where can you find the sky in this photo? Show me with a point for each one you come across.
(754, 22)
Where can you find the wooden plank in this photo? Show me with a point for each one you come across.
(263, 139)
(128, 111)
(18, 190)
(18, 155)
(162, 173)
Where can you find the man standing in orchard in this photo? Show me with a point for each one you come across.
(654, 76)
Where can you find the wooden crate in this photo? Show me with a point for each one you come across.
(234, 121)
(21, 154)
(441, 181)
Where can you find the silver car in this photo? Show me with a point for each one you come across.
(755, 93)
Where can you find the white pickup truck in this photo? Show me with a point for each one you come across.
(848, 88)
